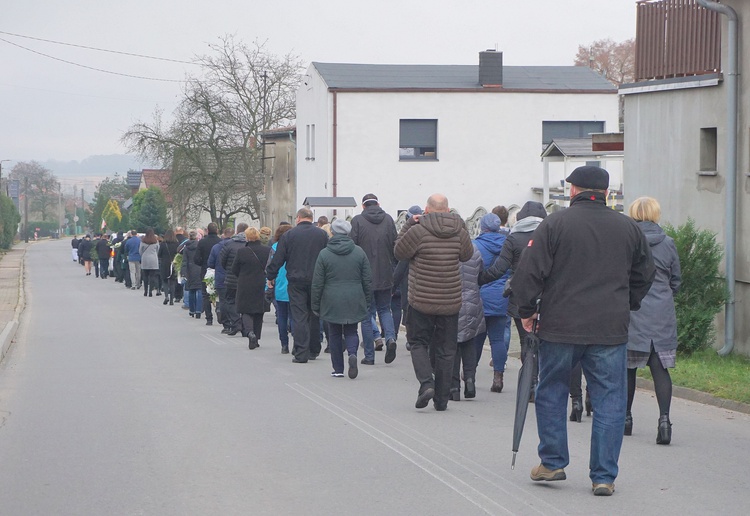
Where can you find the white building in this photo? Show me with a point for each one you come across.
(473, 132)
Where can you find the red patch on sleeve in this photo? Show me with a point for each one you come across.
(530, 242)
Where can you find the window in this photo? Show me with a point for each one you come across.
(417, 139)
(310, 142)
(572, 129)
(708, 150)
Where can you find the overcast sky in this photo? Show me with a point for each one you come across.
(54, 110)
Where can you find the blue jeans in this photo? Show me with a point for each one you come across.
(342, 337)
(282, 314)
(496, 332)
(605, 368)
(381, 305)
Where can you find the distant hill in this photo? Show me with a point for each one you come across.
(96, 166)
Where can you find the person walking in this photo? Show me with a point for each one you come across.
(214, 262)
(280, 293)
(84, 253)
(299, 248)
(489, 243)
(103, 254)
(401, 278)
(226, 258)
(249, 267)
(529, 217)
(434, 243)
(74, 247)
(652, 334)
(132, 248)
(471, 322)
(205, 245)
(166, 254)
(591, 266)
(375, 232)
(192, 273)
(341, 291)
(149, 251)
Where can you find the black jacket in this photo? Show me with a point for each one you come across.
(227, 256)
(591, 266)
(102, 249)
(375, 232)
(249, 268)
(167, 252)
(84, 250)
(204, 250)
(298, 248)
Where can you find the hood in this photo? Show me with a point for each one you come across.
(654, 233)
(526, 225)
(374, 214)
(240, 237)
(493, 242)
(191, 244)
(532, 209)
(442, 225)
(341, 244)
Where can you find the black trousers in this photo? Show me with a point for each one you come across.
(207, 303)
(466, 352)
(103, 268)
(436, 335)
(230, 307)
(305, 324)
(252, 323)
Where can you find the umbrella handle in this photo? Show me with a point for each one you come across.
(513, 464)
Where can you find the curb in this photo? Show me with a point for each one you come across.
(9, 332)
(698, 396)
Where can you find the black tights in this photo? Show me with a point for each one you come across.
(662, 384)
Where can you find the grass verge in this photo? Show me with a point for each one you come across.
(706, 371)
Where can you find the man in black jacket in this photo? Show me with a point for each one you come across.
(201, 258)
(375, 232)
(103, 251)
(298, 248)
(226, 259)
(590, 266)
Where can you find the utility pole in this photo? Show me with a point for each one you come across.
(83, 212)
(26, 209)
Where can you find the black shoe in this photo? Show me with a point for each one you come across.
(589, 408)
(232, 333)
(365, 361)
(390, 351)
(353, 370)
(171, 302)
(295, 360)
(440, 406)
(664, 435)
(284, 350)
(145, 293)
(424, 397)
(408, 346)
(628, 424)
(576, 411)
(209, 322)
(470, 390)
(225, 331)
(252, 341)
(456, 394)
(198, 315)
(313, 357)
(158, 293)
(165, 301)
(327, 350)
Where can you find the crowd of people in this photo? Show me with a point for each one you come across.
(577, 278)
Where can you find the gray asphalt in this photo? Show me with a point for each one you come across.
(111, 403)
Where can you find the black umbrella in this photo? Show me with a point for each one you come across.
(525, 380)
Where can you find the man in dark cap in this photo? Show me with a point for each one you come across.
(590, 266)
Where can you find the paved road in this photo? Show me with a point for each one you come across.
(111, 403)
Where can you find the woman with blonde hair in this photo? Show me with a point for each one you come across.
(250, 268)
(652, 335)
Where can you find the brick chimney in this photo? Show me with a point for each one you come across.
(491, 69)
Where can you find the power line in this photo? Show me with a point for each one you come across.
(98, 49)
(89, 67)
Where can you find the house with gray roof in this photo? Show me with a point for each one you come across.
(473, 132)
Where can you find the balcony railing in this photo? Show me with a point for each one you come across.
(676, 38)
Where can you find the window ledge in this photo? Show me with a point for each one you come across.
(409, 160)
(708, 173)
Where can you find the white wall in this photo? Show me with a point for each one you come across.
(489, 145)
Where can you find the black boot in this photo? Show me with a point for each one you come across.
(628, 423)
(664, 435)
(589, 408)
(576, 408)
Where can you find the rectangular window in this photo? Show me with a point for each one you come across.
(569, 129)
(310, 142)
(708, 150)
(417, 139)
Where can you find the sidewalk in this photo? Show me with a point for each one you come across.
(12, 300)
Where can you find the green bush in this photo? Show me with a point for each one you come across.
(9, 219)
(703, 291)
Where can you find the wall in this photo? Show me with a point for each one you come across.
(281, 189)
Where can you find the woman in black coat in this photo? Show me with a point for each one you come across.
(167, 252)
(249, 267)
(192, 273)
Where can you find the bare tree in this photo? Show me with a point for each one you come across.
(214, 144)
(615, 61)
(44, 188)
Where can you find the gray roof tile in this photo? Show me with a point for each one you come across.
(373, 76)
